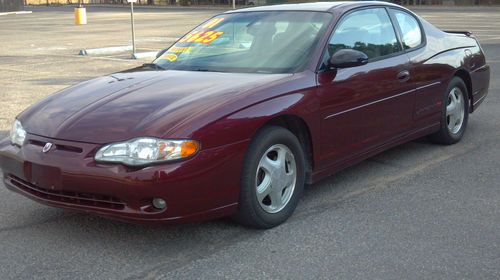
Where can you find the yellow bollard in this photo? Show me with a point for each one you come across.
(80, 16)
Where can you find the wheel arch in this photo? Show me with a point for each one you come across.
(299, 127)
(465, 76)
(296, 112)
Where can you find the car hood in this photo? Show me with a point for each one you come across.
(125, 105)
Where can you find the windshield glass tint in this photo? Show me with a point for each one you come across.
(252, 42)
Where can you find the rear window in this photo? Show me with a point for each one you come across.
(410, 29)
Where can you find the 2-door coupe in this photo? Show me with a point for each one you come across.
(240, 113)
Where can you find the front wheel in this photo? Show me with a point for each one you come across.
(272, 179)
(455, 114)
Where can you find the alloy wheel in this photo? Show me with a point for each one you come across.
(276, 178)
(455, 110)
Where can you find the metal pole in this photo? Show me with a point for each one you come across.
(234, 4)
(133, 28)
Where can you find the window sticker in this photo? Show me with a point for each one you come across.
(211, 24)
(170, 57)
(201, 37)
(180, 49)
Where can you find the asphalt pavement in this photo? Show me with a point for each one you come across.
(418, 211)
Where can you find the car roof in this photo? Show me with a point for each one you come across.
(315, 6)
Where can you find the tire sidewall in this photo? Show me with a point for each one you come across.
(266, 138)
(455, 137)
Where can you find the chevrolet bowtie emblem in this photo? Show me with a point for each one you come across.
(47, 147)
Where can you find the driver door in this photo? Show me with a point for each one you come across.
(366, 106)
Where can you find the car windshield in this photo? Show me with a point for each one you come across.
(250, 42)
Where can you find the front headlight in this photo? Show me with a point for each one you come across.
(142, 151)
(17, 134)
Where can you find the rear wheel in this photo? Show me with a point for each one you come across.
(455, 114)
(272, 179)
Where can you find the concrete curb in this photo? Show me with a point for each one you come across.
(108, 50)
(166, 7)
(16, 13)
(144, 55)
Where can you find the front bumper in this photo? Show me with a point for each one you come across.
(205, 186)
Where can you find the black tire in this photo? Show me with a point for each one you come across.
(445, 136)
(250, 212)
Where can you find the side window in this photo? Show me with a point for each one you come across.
(369, 31)
(410, 29)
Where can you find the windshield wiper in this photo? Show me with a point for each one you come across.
(207, 70)
(153, 65)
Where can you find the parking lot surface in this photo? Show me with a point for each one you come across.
(418, 211)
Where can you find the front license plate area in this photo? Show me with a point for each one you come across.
(46, 177)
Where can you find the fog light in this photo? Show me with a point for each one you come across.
(159, 203)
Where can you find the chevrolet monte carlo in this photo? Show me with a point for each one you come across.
(243, 111)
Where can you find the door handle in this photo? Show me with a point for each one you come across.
(403, 76)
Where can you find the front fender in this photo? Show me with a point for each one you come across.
(242, 125)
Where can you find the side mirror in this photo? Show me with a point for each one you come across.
(346, 58)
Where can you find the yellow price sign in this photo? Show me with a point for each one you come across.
(202, 37)
(212, 23)
(170, 57)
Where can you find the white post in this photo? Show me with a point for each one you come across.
(234, 4)
(132, 22)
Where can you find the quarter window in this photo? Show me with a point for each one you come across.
(369, 31)
(410, 29)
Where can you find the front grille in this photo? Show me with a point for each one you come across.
(58, 146)
(84, 199)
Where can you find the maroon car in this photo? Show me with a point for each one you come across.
(245, 109)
